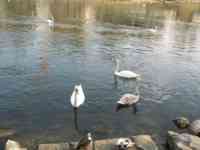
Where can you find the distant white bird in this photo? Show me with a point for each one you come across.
(124, 73)
(51, 22)
(77, 97)
(128, 100)
(154, 29)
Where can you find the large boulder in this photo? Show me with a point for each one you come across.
(182, 141)
(13, 145)
(58, 146)
(5, 132)
(144, 142)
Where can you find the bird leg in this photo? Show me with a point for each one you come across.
(115, 81)
(120, 106)
(135, 110)
(76, 118)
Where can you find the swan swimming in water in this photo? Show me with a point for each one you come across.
(153, 30)
(128, 100)
(125, 73)
(77, 97)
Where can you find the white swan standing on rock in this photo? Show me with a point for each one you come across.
(125, 73)
(128, 100)
(77, 97)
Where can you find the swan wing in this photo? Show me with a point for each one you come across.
(127, 74)
(72, 99)
(128, 99)
(78, 98)
(81, 95)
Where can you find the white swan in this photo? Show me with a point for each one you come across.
(50, 22)
(128, 100)
(125, 73)
(77, 97)
(153, 30)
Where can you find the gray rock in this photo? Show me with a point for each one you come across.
(13, 145)
(182, 141)
(5, 132)
(58, 146)
(144, 142)
(195, 127)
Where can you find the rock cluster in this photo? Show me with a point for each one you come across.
(182, 141)
(141, 142)
(175, 141)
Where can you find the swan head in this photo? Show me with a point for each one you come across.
(77, 88)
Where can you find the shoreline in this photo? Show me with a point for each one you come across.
(173, 141)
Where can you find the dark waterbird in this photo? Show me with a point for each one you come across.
(184, 123)
(85, 141)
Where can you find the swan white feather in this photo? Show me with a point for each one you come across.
(78, 96)
(129, 99)
(50, 22)
(125, 73)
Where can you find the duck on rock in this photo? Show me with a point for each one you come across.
(183, 123)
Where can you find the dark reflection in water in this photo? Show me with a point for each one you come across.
(40, 63)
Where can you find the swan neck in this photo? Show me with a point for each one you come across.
(117, 66)
(137, 88)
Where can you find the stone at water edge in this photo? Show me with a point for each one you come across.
(182, 141)
(58, 146)
(144, 142)
(13, 145)
(4, 132)
(195, 127)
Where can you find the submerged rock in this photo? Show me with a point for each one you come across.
(13, 145)
(182, 141)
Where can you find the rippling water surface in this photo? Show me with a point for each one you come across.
(40, 63)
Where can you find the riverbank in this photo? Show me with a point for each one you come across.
(174, 141)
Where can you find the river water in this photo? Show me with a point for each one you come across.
(40, 63)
